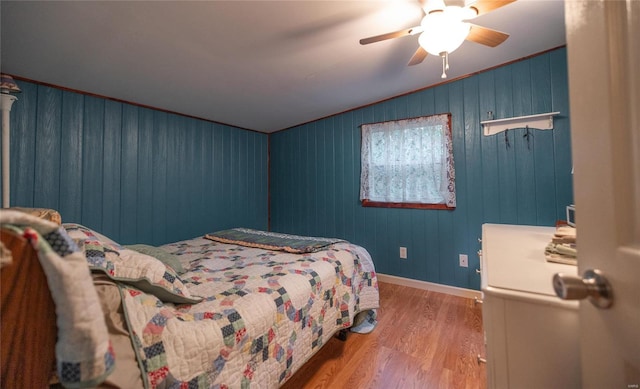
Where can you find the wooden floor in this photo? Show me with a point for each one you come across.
(423, 339)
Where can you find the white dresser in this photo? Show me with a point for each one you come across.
(531, 335)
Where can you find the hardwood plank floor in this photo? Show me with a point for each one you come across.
(424, 339)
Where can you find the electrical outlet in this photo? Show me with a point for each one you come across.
(464, 260)
(403, 253)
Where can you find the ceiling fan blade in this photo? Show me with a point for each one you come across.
(485, 6)
(391, 35)
(486, 36)
(418, 56)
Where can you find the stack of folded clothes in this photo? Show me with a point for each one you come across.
(562, 248)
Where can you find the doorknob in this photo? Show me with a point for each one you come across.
(593, 285)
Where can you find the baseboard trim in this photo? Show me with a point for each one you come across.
(453, 290)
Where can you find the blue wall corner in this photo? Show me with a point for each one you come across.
(315, 172)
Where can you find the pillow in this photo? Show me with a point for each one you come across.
(43, 213)
(131, 267)
(158, 253)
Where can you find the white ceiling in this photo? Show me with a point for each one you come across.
(259, 65)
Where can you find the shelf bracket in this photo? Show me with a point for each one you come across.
(541, 121)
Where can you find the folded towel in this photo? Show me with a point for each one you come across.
(561, 248)
(565, 231)
(559, 258)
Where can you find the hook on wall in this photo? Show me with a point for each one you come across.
(527, 135)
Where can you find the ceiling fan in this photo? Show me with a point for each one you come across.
(445, 27)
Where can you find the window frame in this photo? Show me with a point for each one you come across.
(448, 132)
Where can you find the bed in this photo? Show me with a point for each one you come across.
(235, 308)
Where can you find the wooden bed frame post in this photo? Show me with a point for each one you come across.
(27, 318)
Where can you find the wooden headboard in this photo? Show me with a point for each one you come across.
(27, 318)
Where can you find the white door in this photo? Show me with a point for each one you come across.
(603, 46)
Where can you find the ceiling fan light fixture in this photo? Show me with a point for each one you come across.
(444, 31)
(444, 28)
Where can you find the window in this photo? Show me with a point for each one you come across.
(408, 163)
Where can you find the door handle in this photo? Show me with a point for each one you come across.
(593, 285)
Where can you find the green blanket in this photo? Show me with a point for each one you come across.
(272, 240)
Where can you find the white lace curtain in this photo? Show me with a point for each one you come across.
(408, 161)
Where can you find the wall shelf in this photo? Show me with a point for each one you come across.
(541, 121)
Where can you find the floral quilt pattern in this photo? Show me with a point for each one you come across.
(264, 313)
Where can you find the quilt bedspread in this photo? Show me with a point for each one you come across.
(264, 313)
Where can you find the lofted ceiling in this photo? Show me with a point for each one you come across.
(259, 65)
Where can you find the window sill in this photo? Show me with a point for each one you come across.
(380, 204)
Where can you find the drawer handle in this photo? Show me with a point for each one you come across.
(477, 301)
(481, 360)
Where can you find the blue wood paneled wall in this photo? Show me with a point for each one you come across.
(315, 172)
(133, 173)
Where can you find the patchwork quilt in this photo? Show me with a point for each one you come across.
(263, 313)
